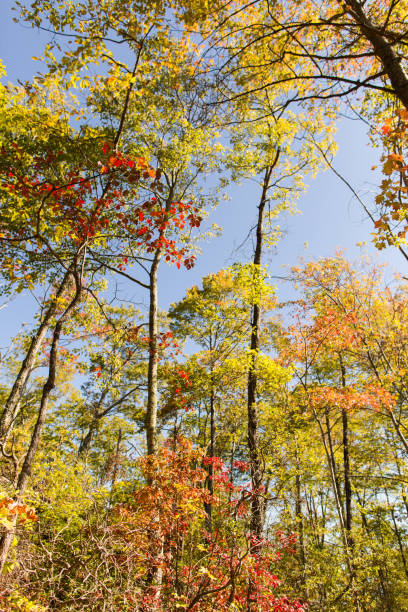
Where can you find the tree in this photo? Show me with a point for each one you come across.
(279, 151)
(216, 319)
(336, 356)
(317, 52)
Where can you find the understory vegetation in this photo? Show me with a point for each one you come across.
(244, 448)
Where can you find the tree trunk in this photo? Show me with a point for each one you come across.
(152, 392)
(347, 483)
(339, 503)
(382, 49)
(86, 441)
(11, 406)
(299, 521)
(397, 532)
(387, 594)
(328, 449)
(25, 472)
(346, 462)
(100, 413)
(97, 415)
(155, 576)
(211, 454)
(152, 387)
(347, 487)
(116, 463)
(257, 505)
(400, 474)
(333, 465)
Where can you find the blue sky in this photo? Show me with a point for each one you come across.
(330, 218)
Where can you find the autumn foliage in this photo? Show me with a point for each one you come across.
(170, 443)
(162, 532)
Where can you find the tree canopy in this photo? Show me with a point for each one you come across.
(244, 447)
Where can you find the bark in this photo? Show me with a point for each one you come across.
(154, 576)
(255, 459)
(86, 441)
(334, 472)
(46, 392)
(318, 538)
(347, 483)
(116, 463)
(25, 472)
(338, 500)
(300, 530)
(403, 491)
(299, 516)
(98, 415)
(211, 454)
(257, 505)
(152, 392)
(386, 591)
(397, 533)
(328, 448)
(11, 407)
(347, 486)
(398, 430)
(383, 50)
(152, 387)
(346, 462)
(342, 518)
